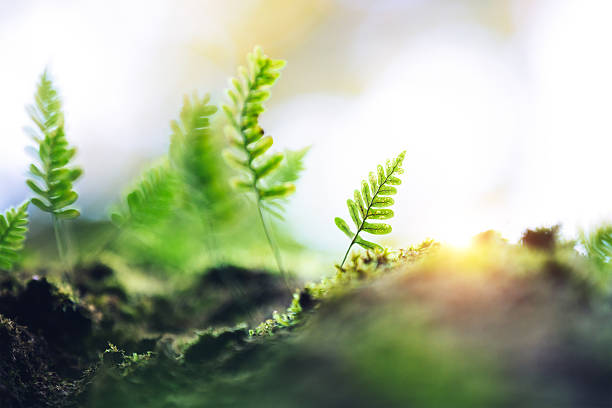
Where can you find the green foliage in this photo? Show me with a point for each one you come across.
(598, 248)
(598, 244)
(249, 145)
(13, 229)
(194, 153)
(370, 204)
(188, 191)
(150, 200)
(52, 180)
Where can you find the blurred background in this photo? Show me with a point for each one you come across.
(502, 105)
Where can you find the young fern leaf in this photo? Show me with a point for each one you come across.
(150, 200)
(190, 143)
(13, 229)
(249, 145)
(52, 180)
(194, 153)
(370, 204)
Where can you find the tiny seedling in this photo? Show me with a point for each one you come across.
(52, 178)
(13, 229)
(249, 145)
(370, 204)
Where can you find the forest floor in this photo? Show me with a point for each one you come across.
(491, 326)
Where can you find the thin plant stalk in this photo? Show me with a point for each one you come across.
(62, 245)
(273, 246)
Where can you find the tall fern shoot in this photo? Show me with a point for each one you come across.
(194, 153)
(192, 149)
(249, 145)
(370, 204)
(52, 179)
(13, 229)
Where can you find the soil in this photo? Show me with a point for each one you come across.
(51, 344)
(514, 326)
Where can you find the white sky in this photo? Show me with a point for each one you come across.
(502, 131)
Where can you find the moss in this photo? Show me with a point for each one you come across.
(125, 364)
(361, 268)
(213, 343)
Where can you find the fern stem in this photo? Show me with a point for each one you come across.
(113, 236)
(348, 250)
(61, 243)
(212, 243)
(275, 250)
(254, 80)
(273, 246)
(368, 211)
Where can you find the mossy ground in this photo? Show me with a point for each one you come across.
(494, 325)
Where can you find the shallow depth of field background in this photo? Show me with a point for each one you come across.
(503, 106)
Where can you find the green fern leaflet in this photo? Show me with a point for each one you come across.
(291, 168)
(288, 172)
(13, 229)
(52, 178)
(371, 204)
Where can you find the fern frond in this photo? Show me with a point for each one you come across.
(150, 200)
(370, 203)
(249, 153)
(195, 155)
(52, 180)
(190, 143)
(13, 229)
